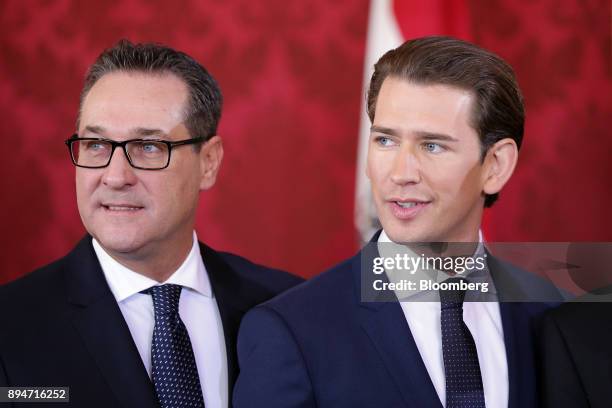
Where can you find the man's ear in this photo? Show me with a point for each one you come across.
(499, 165)
(211, 155)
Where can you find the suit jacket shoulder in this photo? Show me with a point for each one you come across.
(38, 296)
(42, 283)
(575, 342)
(269, 281)
(323, 292)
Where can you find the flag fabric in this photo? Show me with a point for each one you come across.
(390, 23)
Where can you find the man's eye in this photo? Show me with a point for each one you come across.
(150, 147)
(383, 141)
(95, 146)
(433, 147)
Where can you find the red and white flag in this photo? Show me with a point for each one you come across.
(391, 23)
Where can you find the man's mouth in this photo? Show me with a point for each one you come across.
(411, 203)
(406, 209)
(121, 207)
(408, 204)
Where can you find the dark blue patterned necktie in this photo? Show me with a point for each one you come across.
(174, 370)
(463, 380)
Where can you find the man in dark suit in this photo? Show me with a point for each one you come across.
(447, 123)
(576, 338)
(139, 314)
(577, 354)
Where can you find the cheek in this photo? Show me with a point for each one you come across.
(172, 194)
(377, 169)
(83, 185)
(459, 181)
(369, 165)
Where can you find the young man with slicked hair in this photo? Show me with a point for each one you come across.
(447, 124)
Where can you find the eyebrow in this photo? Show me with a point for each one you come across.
(421, 134)
(99, 130)
(140, 132)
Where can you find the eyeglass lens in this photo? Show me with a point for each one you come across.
(97, 153)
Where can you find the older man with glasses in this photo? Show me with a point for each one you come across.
(139, 313)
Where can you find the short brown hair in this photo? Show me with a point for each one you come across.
(498, 111)
(203, 109)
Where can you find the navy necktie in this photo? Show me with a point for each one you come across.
(174, 371)
(463, 379)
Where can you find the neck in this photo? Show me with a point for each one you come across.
(155, 263)
(445, 249)
(463, 244)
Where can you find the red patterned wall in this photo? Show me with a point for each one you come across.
(291, 74)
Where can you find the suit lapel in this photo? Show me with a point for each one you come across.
(519, 354)
(386, 326)
(97, 318)
(232, 295)
(518, 336)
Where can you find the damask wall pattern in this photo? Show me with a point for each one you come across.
(291, 75)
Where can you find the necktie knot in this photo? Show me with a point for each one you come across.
(452, 296)
(166, 299)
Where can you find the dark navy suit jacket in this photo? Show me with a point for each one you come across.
(61, 326)
(576, 353)
(319, 345)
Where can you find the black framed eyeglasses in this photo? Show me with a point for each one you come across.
(144, 154)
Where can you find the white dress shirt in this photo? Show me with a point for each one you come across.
(197, 308)
(484, 321)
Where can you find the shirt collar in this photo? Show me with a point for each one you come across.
(480, 251)
(385, 238)
(385, 249)
(124, 282)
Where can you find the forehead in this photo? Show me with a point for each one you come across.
(131, 99)
(407, 106)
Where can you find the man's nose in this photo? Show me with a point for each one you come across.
(406, 167)
(119, 173)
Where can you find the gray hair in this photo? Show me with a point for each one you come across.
(203, 109)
